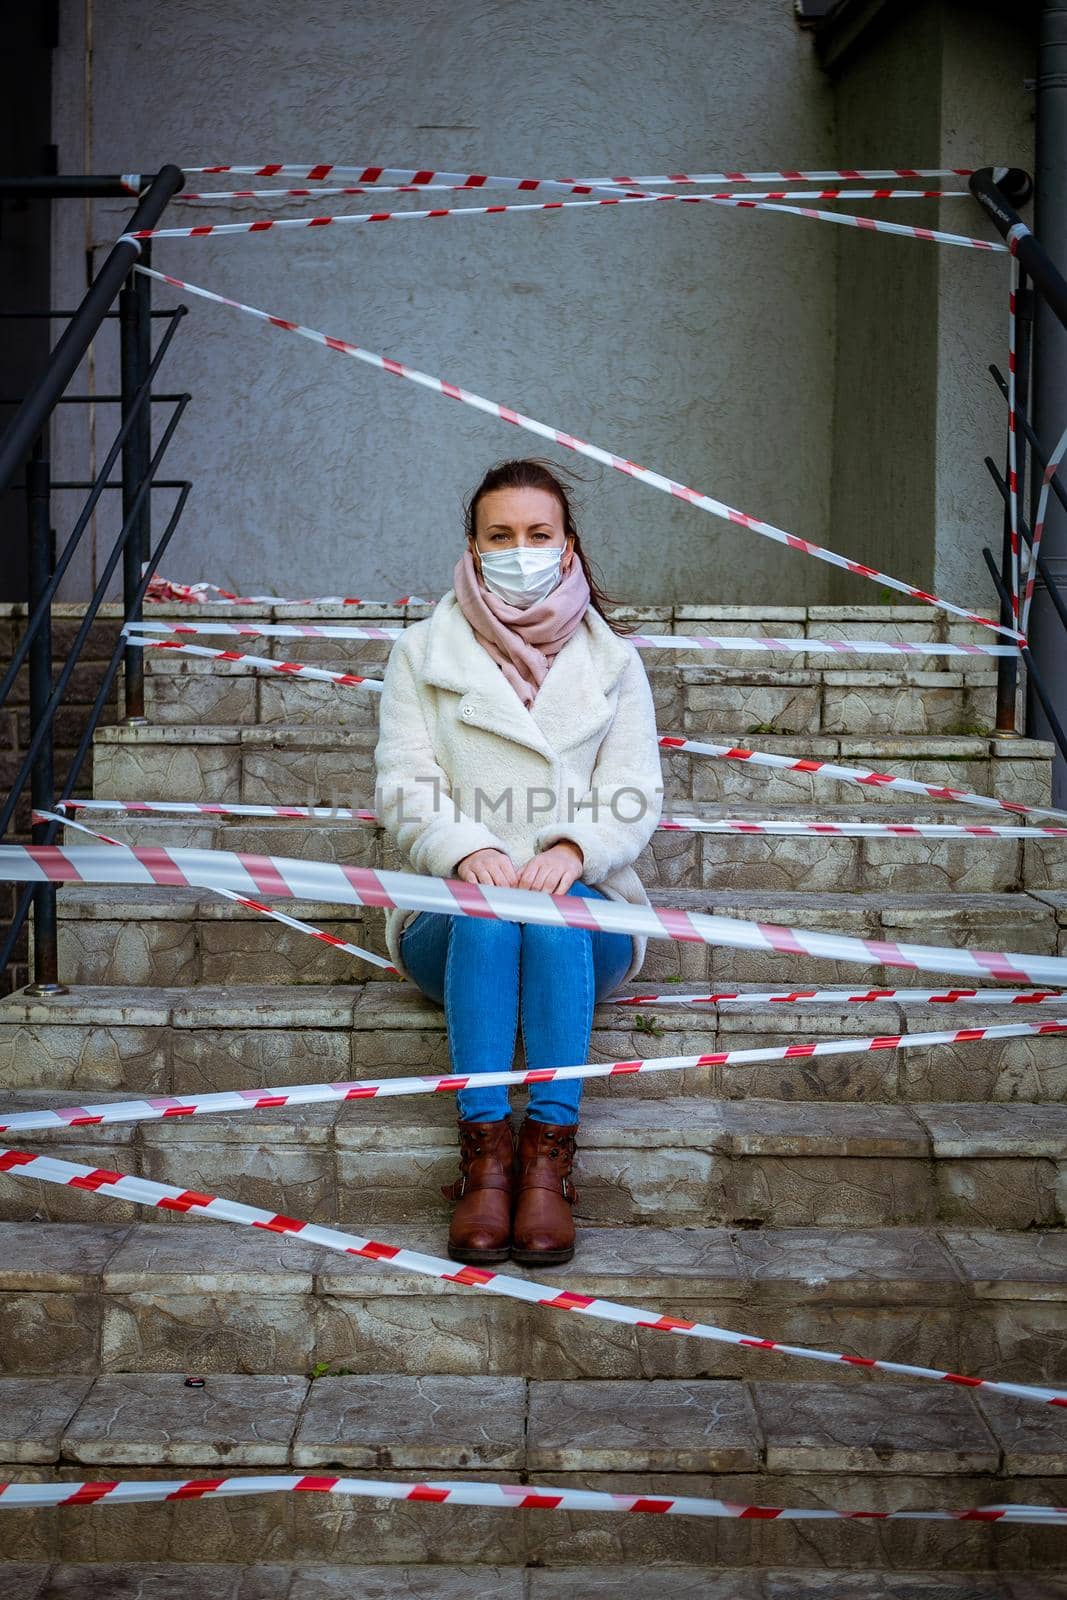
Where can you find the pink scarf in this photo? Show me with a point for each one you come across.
(523, 641)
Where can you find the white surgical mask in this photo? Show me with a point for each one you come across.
(522, 576)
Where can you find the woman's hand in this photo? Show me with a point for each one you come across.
(488, 866)
(554, 870)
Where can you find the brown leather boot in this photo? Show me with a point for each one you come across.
(542, 1232)
(480, 1232)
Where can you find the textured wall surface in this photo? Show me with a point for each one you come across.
(811, 376)
(988, 54)
(916, 410)
(886, 384)
(692, 339)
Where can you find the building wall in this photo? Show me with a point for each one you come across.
(884, 480)
(988, 54)
(918, 325)
(693, 339)
(814, 377)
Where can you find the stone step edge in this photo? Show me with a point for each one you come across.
(156, 1422)
(385, 1005)
(957, 1267)
(899, 747)
(277, 1580)
(886, 909)
(754, 1127)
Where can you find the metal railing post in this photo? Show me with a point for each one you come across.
(135, 343)
(1008, 666)
(45, 975)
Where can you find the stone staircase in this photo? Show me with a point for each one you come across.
(906, 1205)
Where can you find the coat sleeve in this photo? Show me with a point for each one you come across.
(624, 802)
(413, 795)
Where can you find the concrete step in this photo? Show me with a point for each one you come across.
(882, 1445)
(104, 1580)
(181, 936)
(181, 1041)
(282, 764)
(900, 624)
(201, 1296)
(684, 1162)
(786, 694)
(676, 859)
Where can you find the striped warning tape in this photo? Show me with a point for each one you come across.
(159, 1108)
(835, 193)
(498, 1496)
(332, 939)
(849, 997)
(737, 202)
(643, 641)
(863, 776)
(771, 826)
(655, 480)
(1055, 461)
(999, 997)
(169, 1197)
(296, 923)
(287, 669)
(162, 590)
(317, 171)
(348, 885)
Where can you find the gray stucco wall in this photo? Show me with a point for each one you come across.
(696, 340)
(916, 410)
(692, 339)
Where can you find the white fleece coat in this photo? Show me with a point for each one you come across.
(583, 763)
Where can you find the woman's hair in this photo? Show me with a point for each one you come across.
(530, 472)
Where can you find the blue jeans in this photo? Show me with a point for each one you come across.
(487, 972)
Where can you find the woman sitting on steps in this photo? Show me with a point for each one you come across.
(517, 748)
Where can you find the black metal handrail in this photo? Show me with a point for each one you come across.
(999, 192)
(21, 432)
(23, 446)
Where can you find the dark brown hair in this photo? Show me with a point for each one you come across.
(531, 472)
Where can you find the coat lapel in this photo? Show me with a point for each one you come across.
(571, 705)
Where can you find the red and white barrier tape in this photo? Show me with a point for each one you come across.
(848, 997)
(836, 193)
(825, 175)
(347, 885)
(310, 194)
(1055, 461)
(655, 480)
(1003, 997)
(230, 1102)
(497, 1496)
(785, 828)
(161, 591)
(278, 224)
(643, 641)
(287, 669)
(317, 171)
(858, 775)
(285, 224)
(868, 224)
(168, 1197)
(275, 915)
(772, 826)
(203, 808)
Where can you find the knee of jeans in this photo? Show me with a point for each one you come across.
(535, 936)
(483, 932)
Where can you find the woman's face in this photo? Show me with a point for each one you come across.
(532, 519)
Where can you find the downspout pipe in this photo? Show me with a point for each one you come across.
(1048, 638)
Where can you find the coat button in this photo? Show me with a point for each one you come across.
(467, 711)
